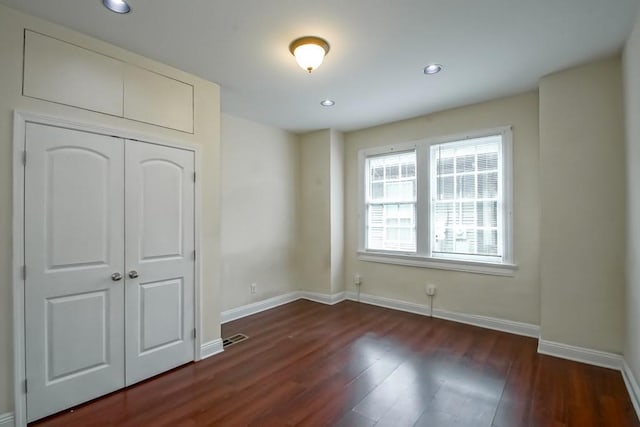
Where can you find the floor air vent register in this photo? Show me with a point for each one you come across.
(233, 339)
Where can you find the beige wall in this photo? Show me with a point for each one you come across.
(314, 258)
(514, 298)
(582, 206)
(337, 211)
(321, 211)
(259, 189)
(631, 72)
(206, 134)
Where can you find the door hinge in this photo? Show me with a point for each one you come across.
(26, 387)
(24, 157)
(194, 333)
(24, 272)
(194, 177)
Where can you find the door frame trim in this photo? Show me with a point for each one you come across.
(20, 120)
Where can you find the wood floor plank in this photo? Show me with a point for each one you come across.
(354, 364)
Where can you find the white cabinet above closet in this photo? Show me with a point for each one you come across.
(57, 71)
(153, 98)
(61, 72)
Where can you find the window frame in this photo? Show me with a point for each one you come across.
(423, 256)
(367, 203)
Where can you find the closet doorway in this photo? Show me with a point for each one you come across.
(109, 256)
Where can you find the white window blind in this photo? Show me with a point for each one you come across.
(466, 199)
(391, 202)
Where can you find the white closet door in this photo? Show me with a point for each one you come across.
(159, 220)
(74, 241)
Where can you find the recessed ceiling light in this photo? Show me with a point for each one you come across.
(117, 6)
(432, 69)
(328, 103)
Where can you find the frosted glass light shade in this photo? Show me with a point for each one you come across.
(309, 52)
(309, 56)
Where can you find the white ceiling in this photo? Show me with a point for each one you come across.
(489, 48)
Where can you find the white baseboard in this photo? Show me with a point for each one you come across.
(632, 386)
(257, 307)
(267, 304)
(580, 354)
(509, 326)
(211, 348)
(329, 299)
(7, 420)
(513, 327)
(394, 304)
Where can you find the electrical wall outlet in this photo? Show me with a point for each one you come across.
(253, 288)
(357, 280)
(430, 290)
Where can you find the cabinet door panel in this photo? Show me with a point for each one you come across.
(67, 74)
(153, 98)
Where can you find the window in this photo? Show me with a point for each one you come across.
(391, 202)
(440, 203)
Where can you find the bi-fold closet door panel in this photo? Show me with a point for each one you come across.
(109, 240)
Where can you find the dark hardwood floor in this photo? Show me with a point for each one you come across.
(358, 365)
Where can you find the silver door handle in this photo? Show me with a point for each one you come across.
(116, 277)
(133, 274)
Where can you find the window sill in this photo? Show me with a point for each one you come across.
(439, 263)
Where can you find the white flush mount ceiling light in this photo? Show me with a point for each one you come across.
(328, 103)
(117, 6)
(309, 51)
(432, 69)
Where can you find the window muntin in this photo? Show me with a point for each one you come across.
(460, 211)
(391, 202)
